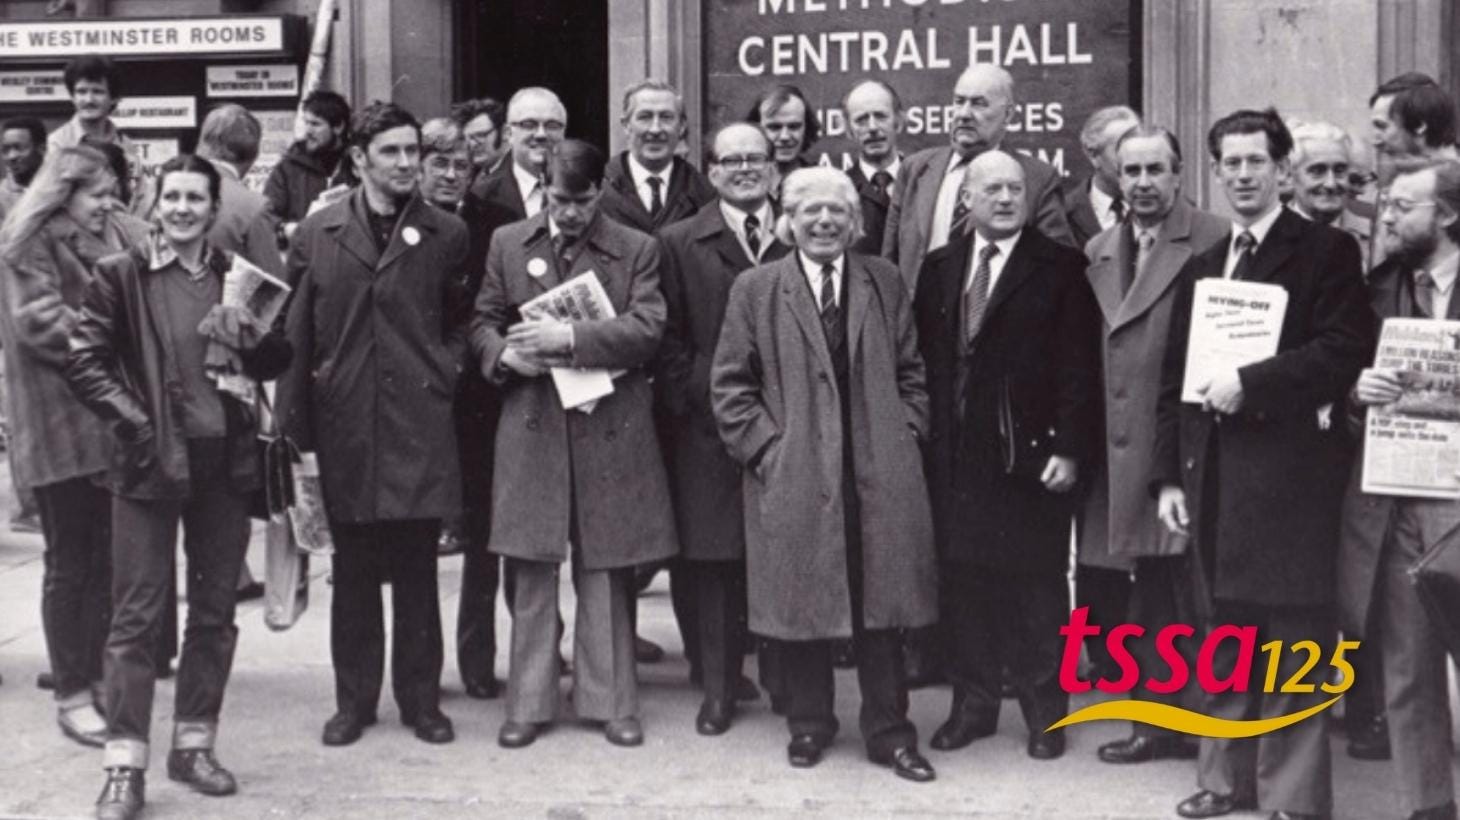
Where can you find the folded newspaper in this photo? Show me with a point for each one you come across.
(1412, 446)
(248, 286)
(580, 299)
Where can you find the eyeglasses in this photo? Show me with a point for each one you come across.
(441, 163)
(480, 136)
(749, 162)
(1403, 206)
(550, 126)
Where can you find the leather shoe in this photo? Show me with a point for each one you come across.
(1371, 740)
(1046, 745)
(489, 689)
(624, 732)
(803, 751)
(431, 726)
(514, 735)
(83, 724)
(345, 728)
(1211, 804)
(908, 764)
(960, 730)
(646, 651)
(201, 772)
(1445, 812)
(1139, 749)
(123, 794)
(714, 717)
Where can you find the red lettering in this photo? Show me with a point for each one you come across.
(1075, 633)
(1130, 672)
(1166, 649)
(1246, 637)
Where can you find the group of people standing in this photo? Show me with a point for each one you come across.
(857, 413)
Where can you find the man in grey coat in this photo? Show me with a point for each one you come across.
(818, 393)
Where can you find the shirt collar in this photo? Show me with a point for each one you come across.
(1005, 245)
(1443, 272)
(868, 171)
(813, 268)
(1100, 202)
(526, 181)
(641, 174)
(1259, 228)
(160, 254)
(735, 217)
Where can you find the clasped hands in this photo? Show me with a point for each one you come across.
(534, 345)
(1222, 393)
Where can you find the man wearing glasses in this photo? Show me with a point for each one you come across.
(647, 187)
(536, 121)
(483, 123)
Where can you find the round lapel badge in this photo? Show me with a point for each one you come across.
(410, 235)
(536, 267)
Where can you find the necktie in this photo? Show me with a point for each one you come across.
(533, 203)
(1117, 207)
(830, 318)
(656, 203)
(960, 210)
(564, 250)
(1246, 243)
(1144, 241)
(1424, 294)
(976, 297)
(881, 182)
(752, 236)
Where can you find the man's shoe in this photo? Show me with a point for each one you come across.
(123, 794)
(201, 772)
(431, 726)
(252, 591)
(514, 735)
(803, 751)
(714, 717)
(1211, 804)
(960, 730)
(908, 764)
(1445, 812)
(745, 690)
(1140, 749)
(646, 651)
(843, 654)
(83, 724)
(1371, 740)
(489, 689)
(345, 728)
(624, 732)
(1046, 745)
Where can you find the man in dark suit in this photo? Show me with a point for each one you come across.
(700, 258)
(925, 214)
(1134, 270)
(1383, 536)
(536, 121)
(1010, 333)
(1255, 472)
(874, 122)
(1093, 202)
(647, 187)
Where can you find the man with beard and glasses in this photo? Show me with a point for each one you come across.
(314, 164)
(702, 256)
(926, 213)
(874, 122)
(788, 121)
(1383, 536)
(373, 323)
(484, 126)
(22, 149)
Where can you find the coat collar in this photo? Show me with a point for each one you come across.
(620, 178)
(605, 243)
(1281, 242)
(708, 226)
(347, 221)
(1113, 249)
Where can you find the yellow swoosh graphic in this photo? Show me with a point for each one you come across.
(1185, 720)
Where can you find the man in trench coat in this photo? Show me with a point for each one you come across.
(818, 393)
(375, 280)
(586, 484)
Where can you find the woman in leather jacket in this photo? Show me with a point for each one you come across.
(146, 356)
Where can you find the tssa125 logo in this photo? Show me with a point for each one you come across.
(1251, 671)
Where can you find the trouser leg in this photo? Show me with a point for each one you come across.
(717, 624)
(605, 686)
(476, 615)
(416, 642)
(683, 588)
(883, 717)
(76, 589)
(1035, 606)
(1107, 593)
(357, 619)
(532, 679)
(1294, 767)
(1158, 599)
(973, 662)
(810, 693)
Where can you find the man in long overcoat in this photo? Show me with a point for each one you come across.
(1010, 333)
(375, 275)
(1133, 271)
(583, 483)
(818, 393)
(701, 258)
(1255, 473)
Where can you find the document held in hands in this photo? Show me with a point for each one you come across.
(1233, 324)
(580, 299)
(1412, 445)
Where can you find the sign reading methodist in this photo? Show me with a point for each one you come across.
(1068, 58)
(204, 35)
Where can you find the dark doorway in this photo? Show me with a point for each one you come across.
(505, 45)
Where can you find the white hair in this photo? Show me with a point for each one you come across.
(799, 185)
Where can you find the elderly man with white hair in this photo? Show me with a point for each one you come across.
(817, 390)
(1323, 162)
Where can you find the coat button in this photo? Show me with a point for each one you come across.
(1190, 464)
(532, 424)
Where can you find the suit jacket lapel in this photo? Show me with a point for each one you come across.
(858, 301)
(1172, 249)
(410, 217)
(539, 245)
(951, 296)
(1020, 266)
(796, 294)
(1110, 257)
(353, 233)
(1277, 246)
(718, 232)
(931, 176)
(624, 182)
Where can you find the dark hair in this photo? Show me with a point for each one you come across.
(35, 127)
(883, 84)
(496, 113)
(328, 106)
(1404, 82)
(377, 118)
(191, 164)
(1146, 130)
(575, 166)
(775, 99)
(711, 157)
(1248, 121)
(230, 133)
(1427, 107)
(92, 67)
(116, 159)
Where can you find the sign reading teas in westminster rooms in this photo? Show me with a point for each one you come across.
(141, 36)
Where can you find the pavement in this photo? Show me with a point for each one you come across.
(281, 692)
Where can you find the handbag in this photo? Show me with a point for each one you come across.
(286, 567)
(1436, 577)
